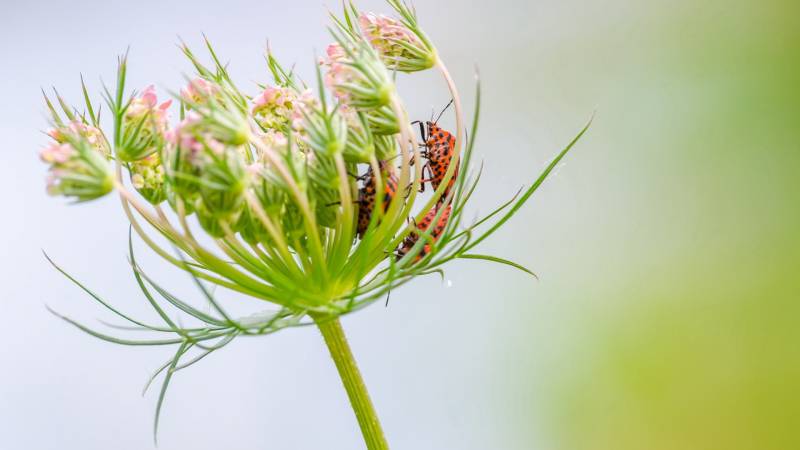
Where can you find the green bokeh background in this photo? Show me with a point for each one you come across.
(685, 328)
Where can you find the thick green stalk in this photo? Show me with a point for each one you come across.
(336, 341)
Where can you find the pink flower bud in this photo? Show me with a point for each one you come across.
(398, 46)
(56, 153)
(148, 96)
(338, 72)
(198, 90)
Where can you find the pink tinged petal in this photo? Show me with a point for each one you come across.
(56, 134)
(46, 156)
(186, 94)
(268, 95)
(335, 52)
(149, 97)
(259, 101)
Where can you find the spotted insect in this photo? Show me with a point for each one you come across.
(422, 226)
(439, 147)
(367, 194)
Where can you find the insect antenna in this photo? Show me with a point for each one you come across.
(443, 110)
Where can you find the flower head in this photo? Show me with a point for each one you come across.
(77, 168)
(356, 75)
(399, 47)
(143, 127)
(282, 108)
(206, 173)
(223, 118)
(198, 91)
(147, 177)
(93, 135)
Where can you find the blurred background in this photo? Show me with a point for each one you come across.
(666, 315)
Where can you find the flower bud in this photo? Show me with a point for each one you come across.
(294, 159)
(93, 135)
(183, 158)
(326, 132)
(209, 221)
(382, 121)
(198, 91)
(143, 127)
(207, 172)
(324, 188)
(187, 205)
(223, 182)
(360, 143)
(221, 198)
(217, 112)
(398, 46)
(357, 76)
(225, 124)
(274, 140)
(271, 200)
(147, 177)
(77, 169)
(282, 108)
(385, 147)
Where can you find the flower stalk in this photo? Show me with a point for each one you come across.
(336, 341)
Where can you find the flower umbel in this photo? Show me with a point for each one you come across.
(77, 169)
(147, 177)
(311, 203)
(398, 46)
(144, 124)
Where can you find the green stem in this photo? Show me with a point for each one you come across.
(336, 341)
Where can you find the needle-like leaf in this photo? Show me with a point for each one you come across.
(498, 260)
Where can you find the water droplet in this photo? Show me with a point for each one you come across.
(449, 283)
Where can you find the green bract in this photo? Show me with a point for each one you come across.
(273, 180)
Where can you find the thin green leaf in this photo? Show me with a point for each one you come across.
(183, 306)
(498, 260)
(52, 109)
(142, 286)
(467, 156)
(96, 297)
(431, 272)
(159, 370)
(164, 386)
(88, 101)
(210, 297)
(111, 338)
(208, 350)
(64, 106)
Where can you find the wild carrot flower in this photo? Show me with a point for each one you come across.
(308, 201)
(144, 124)
(356, 75)
(398, 45)
(148, 178)
(93, 135)
(77, 169)
(197, 91)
